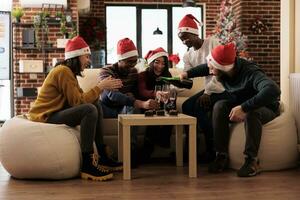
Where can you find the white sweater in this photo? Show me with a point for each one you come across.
(193, 58)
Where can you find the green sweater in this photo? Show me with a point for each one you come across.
(60, 89)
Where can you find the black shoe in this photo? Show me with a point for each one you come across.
(91, 170)
(219, 164)
(107, 162)
(250, 168)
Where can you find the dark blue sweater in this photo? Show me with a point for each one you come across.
(250, 87)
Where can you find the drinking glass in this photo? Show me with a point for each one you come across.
(157, 91)
(172, 98)
(165, 95)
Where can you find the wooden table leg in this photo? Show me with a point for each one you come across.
(120, 141)
(192, 151)
(126, 153)
(179, 145)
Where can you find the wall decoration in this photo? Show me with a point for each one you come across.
(259, 26)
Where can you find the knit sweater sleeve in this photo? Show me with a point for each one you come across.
(268, 92)
(200, 70)
(68, 85)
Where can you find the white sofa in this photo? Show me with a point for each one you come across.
(279, 140)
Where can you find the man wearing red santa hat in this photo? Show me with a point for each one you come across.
(201, 103)
(124, 100)
(254, 100)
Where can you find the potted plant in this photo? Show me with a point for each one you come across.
(40, 23)
(61, 42)
(17, 13)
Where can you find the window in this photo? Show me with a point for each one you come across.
(119, 26)
(139, 22)
(154, 18)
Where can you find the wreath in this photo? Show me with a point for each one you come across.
(258, 26)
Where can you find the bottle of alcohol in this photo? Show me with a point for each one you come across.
(185, 83)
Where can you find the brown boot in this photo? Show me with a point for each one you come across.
(91, 170)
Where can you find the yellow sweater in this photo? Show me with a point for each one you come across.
(60, 88)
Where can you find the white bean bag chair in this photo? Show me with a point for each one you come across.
(32, 150)
(278, 147)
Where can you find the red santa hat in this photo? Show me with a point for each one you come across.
(156, 53)
(188, 24)
(76, 47)
(126, 49)
(222, 57)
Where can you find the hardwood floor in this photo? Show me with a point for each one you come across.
(159, 181)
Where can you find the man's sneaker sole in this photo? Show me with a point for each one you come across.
(112, 169)
(87, 176)
(251, 174)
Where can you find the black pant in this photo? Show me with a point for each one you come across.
(253, 126)
(89, 117)
(159, 135)
(193, 108)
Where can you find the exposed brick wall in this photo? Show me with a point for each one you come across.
(264, 48)
(22, 104)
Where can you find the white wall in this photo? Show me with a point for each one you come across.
(287, 46)
(5, 111)
(6, 5)
(38, 3)
(297, 36)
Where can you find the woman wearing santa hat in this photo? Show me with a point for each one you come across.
(62, 101)
(157, 60)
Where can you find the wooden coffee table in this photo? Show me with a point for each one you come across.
(125, 121)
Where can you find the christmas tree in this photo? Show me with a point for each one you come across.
(226, 30)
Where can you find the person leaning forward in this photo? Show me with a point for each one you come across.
(254, 101)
